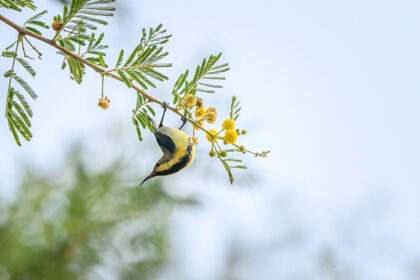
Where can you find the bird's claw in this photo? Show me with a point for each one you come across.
(184, 120)
(165, 105)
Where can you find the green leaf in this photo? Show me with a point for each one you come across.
(25, 86)
(136, 77)
(34, 30)
(120, 58)
(22, 113)
(151, 110)
(22, 101)
(102, 61)
(91, 19)
(8, 54)
(124, 78)
(136, 125)
(132, 55)
(77, 40)
(37, 16)
(239, 166)
(76, 69)
(14, 132)
(39, 23)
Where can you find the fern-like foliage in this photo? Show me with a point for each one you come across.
(17, 4)
(82, 14)
(77, 18)
(18, 112)
(91, 50)
(141, 65)
(140, 115)
(234, 108)
(34, 22)
(207, 70)
(229, 163)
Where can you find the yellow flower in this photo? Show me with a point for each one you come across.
(211, 114)
(190, 100)
(103, 104)
(211, 109)
(200, 112)
(214, 132)
(200, 123)
(231, 136)
(228, 124)
(211, 117)
(195, 140)
(200, 103)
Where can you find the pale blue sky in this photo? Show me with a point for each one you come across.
(331, 87)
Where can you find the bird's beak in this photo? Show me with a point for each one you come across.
(147, 178)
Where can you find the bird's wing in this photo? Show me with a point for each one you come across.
(165, 143)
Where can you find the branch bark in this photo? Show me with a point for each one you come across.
(24, 31)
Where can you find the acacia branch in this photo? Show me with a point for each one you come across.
(24, 31)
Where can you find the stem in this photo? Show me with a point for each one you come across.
(11, 75)
(24, 51)
(24, 31)
(33, 47)
(102, 90)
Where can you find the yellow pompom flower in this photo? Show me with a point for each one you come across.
(231, 136)
(200, 103)
(211, 114)
(228, 124)
(200, 112)
(214, 132)
(190, 100)
(211, 117)
(195, 140)
(211, 109)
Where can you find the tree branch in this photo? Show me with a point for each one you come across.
(24, 31)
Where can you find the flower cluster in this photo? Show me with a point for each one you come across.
(104, 102)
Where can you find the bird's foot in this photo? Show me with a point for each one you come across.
(184, 120)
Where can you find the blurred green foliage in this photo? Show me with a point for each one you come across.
(82, 223)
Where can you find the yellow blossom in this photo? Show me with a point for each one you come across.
(103, 104)
(228, 124)
(190, 100)
(200, 103)
(211, 114)
(231, 136)
(200, 112)
(211, 109)
(211, 117)
(195, 140)
(214, 132)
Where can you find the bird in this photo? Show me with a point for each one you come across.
(177, 147)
